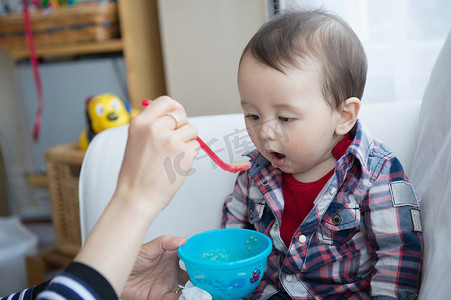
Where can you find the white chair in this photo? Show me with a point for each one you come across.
(197, 206)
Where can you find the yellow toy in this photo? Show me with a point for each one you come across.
(102, 112)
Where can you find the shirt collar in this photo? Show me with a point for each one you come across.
(259, 162)
(362, 143)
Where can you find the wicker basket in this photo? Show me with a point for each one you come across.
(81, 23)
(63, 170)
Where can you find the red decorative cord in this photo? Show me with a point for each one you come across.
(36, 74)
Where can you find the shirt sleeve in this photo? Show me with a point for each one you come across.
(78, 281)
(235, 206)
(391, 214)
(28, 294)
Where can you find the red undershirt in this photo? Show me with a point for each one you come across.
(299, 196)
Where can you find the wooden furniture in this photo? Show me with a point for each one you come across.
(141, 48)
(139, 42)
(40, 264)
(63, 164)
(63, 169)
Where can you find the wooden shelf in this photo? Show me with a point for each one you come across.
(114, 45)
(38, 179)
(140, 45)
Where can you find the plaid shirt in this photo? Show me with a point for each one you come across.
(362, 238)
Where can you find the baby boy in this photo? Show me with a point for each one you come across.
(335, 201)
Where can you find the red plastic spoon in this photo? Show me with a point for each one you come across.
(233, 167)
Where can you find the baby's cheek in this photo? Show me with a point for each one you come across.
(254, 137)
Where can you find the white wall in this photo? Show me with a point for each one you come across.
(202, 43)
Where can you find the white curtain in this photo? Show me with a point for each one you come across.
(401, 38)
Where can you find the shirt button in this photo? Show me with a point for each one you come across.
(289, 278)
(302, 239)
(336, 220)
(275, 227)
(333, 191)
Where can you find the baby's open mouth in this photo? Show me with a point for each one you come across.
(278, 155)
(277, 159)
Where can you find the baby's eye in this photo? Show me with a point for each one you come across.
(285, 119)
(252, 117)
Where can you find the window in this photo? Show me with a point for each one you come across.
(402, 40)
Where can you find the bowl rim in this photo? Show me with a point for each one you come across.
(231, 264)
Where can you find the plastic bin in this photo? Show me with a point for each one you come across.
(16, 242)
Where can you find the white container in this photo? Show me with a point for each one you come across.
(16, 242)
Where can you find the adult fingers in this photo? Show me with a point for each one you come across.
(177, 117)
(163, 114)
(162, 244)
(171, 243)
(187, 132)
(160, 106)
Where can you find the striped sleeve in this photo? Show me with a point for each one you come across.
(27, 294)
(78, 281)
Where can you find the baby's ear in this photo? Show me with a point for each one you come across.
(348, 115)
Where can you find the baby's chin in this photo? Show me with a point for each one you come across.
(287, 167)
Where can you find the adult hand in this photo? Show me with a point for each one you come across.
(156, 273)
(156, 166)
(143, 188)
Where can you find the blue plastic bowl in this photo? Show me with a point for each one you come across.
(227, 263)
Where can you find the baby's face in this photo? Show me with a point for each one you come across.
(288, 118)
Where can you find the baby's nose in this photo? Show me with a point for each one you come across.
(268, 130)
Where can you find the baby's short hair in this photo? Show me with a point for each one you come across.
(295, 37)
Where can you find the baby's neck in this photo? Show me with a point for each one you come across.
(317, 172)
